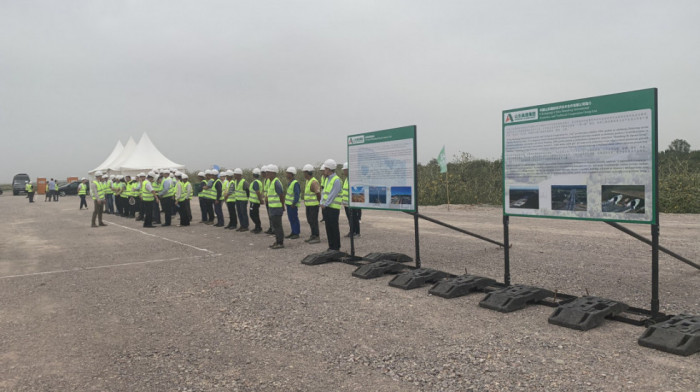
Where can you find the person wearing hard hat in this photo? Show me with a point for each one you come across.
(97, 190)
(199, 188)
(166, 194)
(323, 181)
(241, 191)
(275, 203)
(266, 185)
(292, 201)
(312, 196)
(218, 188)
(230, 197)
(109, 195)
(30, 191)
(353, 214)
(183, 193)
(209, 195)
(148, 197)
(255, 196)
(331, 202)
(82, 192)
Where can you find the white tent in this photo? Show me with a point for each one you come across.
(145, 156)
(115, 153)
(116, 164)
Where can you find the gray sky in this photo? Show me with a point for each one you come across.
(241, 83)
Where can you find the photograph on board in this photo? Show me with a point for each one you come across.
(401, 195)
(524, 197)
(377, 194)
(357, 194)
(623, 198)
(569, 198)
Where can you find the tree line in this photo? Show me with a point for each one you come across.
(480, 181)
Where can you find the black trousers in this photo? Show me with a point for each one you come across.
(353, 215)
(148, 208)
(167, 203)
(83, 202)
(184, 212)
(209, 203)
(332, 227)
(232, 216)
(255, 215)
(276, 221)
(203, 208)
(312, 218)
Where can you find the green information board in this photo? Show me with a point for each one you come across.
(592, 158)
(382, 169)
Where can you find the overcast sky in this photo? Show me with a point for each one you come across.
(242, 83)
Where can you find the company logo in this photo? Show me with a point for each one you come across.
(356, 139)
(521, 115)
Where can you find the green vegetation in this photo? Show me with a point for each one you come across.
(479, 181)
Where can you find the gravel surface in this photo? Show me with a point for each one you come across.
(118, 308)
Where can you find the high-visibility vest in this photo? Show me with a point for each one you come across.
(324, 181)
(240, 190)
(108, 188)
(209, 193)
(253, 198)
(345, 192)
(157, 186)
(225, 184)
(273, 199)
(188, 189)
(100, 188)
(231, 191)
(290, 194)
(145, 195)
(171, 191)
(183, 191)
(337, 201)
(267, 185)
(29, 187)
(81, 189)
(124, 193)
(310, 198)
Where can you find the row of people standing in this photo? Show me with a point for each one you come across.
(243, 200)
(171, 191)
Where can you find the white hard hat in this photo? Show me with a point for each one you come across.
(184, 175)
(292, 169)
(230, 172)
(256, 171)
(345, 165)
(142, 174)
(208, 171)
(330, 164)
(323, 167)
(112, 176)
(238, 171)
(214, 172)
(151, 174)
(272, 168)
(83, 179)
(201, 174)
(308, 167)
(98, 174)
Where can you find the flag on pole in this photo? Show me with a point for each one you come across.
(442, 161)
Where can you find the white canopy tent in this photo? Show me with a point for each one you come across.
(115, 153)
(144, 157)
(116, 164)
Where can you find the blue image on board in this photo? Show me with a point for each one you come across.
(377, 194)
(401, 195)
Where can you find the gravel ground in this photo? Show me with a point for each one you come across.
(205, 309)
